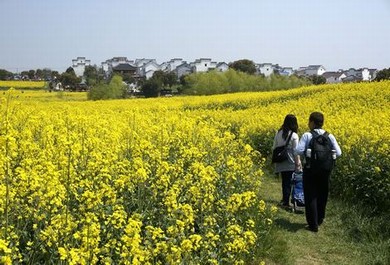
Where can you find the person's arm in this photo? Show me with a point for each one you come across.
(335, 145)
(300, 149)
(297, 158)
(274, 144)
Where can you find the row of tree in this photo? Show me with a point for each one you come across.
(240, 77)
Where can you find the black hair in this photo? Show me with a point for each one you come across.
(290, 124)
(317, 118)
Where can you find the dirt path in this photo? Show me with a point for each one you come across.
(328, 246)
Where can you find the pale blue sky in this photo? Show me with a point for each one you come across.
(334, 33)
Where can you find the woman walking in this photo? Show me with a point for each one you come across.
(287, 135)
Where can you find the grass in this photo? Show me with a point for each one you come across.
(346, 236)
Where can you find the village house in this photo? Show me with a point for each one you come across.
(203, 65)
(265, 69)
(109, 64)
(286, 71)
(147, 67)
(334, 77)
(173, 64)
(311, 70)
(125, 69)
(183, 69)
(361, 74)
(79, 65)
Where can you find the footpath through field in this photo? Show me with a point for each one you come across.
(296, 245)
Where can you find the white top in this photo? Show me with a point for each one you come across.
(289, 164)
(305, 140)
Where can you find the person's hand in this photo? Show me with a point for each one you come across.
(298, 167)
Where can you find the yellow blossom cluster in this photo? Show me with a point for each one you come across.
(169, 180)
(22, 84)
(124, 182)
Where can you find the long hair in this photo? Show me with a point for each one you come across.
(290, 124)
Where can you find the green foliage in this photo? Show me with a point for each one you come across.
(114, 90)
(214, 82)
(151, 88)
(68, 78)
(317, 79)
(5, 75)
(244, 65)
(160, 80)
(383, 75)
(363, 176)
(91, 75)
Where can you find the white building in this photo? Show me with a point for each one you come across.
(222, 67)
(203, 65)
(265, 69)
(109, 64)
(79, 65)
(362, 74)
(334, 77)
(173, 64)
(311, 70)
(286, 71)
(183, 69)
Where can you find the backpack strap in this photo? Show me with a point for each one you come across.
(288, 138)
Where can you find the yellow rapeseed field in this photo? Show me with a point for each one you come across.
(22, 84)
(170, 180)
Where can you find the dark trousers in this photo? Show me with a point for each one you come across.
(286, 186)
(316, 190)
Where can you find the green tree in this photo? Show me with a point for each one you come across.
(151, 88)
(31, 74)
(114, 90)
(317, 79)
(383, 74)
(5, 75)
(231, 81)
(244, 65)
(91, 75)
(69, 79)
(165, 79)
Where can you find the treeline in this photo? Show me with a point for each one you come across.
(205, 83)
(231, 81)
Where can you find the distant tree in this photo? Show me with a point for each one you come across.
(151, 88)
(69, 79)
(25, 75)
(39, 74)
(47, 74)
(5, 75)
(70, 70)
(317, 79)
(383, 74)
(128, 78)
(31, 74)
(170, 79)
(91, 75)
(114, 90)
(158, 77)
(55, 74)
(244, 65)
(165, 79)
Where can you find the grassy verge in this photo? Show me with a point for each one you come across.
(346, 237)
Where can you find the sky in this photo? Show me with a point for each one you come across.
(338, 34)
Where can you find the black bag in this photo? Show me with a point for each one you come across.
(279, 154)
(321, 152)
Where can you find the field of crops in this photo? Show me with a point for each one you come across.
(22, 84)
(169, 180)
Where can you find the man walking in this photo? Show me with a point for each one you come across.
(320, 150)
